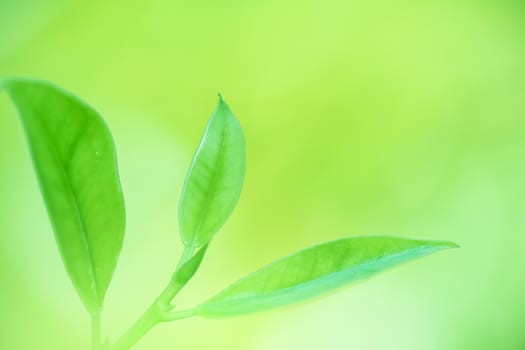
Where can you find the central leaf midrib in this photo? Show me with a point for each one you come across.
(76, 206)
(250, 295)
(212, 186)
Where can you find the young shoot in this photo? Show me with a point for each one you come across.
(76, 165)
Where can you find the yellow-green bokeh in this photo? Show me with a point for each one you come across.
(361, 117)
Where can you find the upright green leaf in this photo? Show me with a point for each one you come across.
(214, 181)
(75, 162)
(314, 271)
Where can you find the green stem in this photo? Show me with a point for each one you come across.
(147, 321)
(96, 338)
(178, 315)
(174, 287)
(158, 312)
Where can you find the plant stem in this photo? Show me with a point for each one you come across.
(147, 321)
(158, 312)
(96, 338)
(178, 315)
(174, 287)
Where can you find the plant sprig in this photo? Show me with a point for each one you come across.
(75, 161)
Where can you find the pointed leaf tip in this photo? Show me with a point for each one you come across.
(452, 245)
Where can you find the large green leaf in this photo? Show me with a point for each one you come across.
(214, 181)
(314, 271)
(74, 157)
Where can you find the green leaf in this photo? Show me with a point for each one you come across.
(314, 271)
(188, 269)
(74, 158)
(214, 181)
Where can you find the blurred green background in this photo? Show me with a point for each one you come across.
(361, 117)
